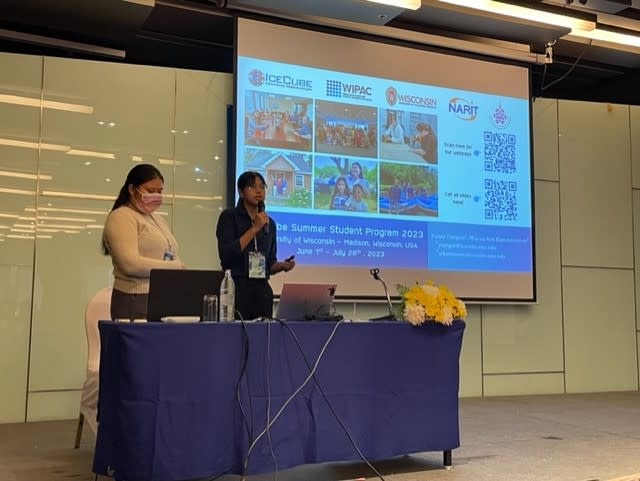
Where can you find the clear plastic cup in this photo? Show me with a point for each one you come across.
(209, 308)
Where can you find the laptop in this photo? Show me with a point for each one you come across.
(304, 301)
(179, 292)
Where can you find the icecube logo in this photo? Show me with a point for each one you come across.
(392, 95)
(256, 77)
(334, 88)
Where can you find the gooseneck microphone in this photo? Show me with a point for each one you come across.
(375, 272)
(261, 209)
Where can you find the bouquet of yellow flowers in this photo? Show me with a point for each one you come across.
(430, 302)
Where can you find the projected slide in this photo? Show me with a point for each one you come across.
(368, 167)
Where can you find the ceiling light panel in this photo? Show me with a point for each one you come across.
(538, 15)
(408, 4)
(611, 34)
(47, 104)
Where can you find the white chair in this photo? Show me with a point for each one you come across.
(98, 309)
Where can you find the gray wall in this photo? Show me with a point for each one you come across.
(582, 336)
(75, 162)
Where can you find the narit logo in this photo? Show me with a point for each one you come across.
(392, 95)
(500, 118)
(463, 109)
(256, 77)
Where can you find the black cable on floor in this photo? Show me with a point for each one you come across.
(247, 419)
(342, 425)
(268, 383)
(289, 399)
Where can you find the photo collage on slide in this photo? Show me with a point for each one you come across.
(343, 157)
(384, 155)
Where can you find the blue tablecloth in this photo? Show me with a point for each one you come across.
(169, 406)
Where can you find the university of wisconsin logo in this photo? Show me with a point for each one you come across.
(392, 95)
(256, 77)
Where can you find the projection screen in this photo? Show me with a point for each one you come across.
(414, 162)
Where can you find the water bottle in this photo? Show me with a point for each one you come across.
(227, 298)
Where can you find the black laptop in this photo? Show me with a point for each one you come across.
(179, 292)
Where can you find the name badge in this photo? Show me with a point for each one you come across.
(257, 265)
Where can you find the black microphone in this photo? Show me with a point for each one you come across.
(375, 272)
(261, 209)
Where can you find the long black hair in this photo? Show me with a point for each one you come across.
(248, 179)
(137, 176)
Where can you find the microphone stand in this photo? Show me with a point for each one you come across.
(391, 316)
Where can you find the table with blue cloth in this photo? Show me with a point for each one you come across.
(180, 401)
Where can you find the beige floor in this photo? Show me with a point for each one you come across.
(591, 437)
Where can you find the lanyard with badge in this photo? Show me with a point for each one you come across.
(168, 255)
(257, 262)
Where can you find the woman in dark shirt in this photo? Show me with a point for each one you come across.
(247, 245)
(427, 139)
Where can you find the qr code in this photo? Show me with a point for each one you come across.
(499, 152)
(500, 200)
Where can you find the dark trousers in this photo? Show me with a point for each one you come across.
(128, 306)
(254, 298)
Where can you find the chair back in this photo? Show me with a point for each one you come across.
(98, 309)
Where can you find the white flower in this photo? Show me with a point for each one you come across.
(431, 290)
(429, 302)
(414, 313)
(447, 315)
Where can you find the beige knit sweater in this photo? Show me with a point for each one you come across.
(137, 243)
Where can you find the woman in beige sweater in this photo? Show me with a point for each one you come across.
(137, 241)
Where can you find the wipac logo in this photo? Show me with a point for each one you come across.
(337, 88)
(334, 88)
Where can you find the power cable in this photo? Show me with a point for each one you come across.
(247, 419)
(268, 382)
(342, 425)
(289, 399)
(568, 72)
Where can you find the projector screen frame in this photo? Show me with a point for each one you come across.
(373, 286)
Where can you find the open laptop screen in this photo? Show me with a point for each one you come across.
(179, 292)
(300, 301)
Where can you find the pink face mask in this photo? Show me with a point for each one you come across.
(149, 201)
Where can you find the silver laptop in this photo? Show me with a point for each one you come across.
(305, 301)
